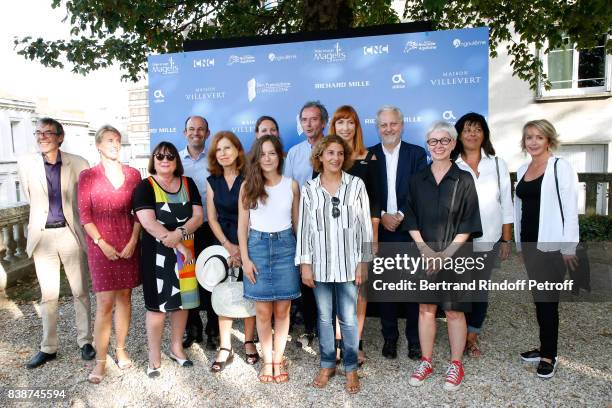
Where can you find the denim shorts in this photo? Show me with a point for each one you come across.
(277, 276)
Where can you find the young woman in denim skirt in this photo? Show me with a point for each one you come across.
(267, 217)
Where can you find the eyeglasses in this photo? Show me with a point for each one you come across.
(335, 210)
(46, 133)
(167, 156)
(444, 141)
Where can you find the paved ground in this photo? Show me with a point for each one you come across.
(584, 377)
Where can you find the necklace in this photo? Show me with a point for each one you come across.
(166, 186)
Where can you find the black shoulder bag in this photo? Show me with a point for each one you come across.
(581, 275)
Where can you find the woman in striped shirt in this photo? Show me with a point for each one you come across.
(334, 233)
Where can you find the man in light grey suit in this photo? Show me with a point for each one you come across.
(55, 236)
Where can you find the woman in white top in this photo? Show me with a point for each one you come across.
(546, 231)
(475, 154)
(334, 236)
(266, 217)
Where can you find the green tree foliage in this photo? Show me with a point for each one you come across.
(545, 24)
(126, 31)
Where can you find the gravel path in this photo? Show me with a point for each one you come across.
(498, 379)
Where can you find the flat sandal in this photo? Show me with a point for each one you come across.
(356, 387)
(330, 373)
(283, 376)
(266, 378)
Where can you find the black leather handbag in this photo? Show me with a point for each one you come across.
(581, 275)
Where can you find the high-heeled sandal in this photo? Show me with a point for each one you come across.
(251, 359)
(122, 364)
(283, 376)
(218, 366)
(96, 378)
(266, 378)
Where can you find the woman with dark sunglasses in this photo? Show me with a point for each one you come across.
(334, 208)
(169, 207)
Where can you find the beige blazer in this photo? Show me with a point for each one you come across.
(34, 183)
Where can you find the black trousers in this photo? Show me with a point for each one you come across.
(390, 311)
(545, 267)
(308, 307)
(203, 238)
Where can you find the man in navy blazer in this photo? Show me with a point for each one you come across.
(398, 161)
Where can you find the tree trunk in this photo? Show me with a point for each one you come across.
(327, 14)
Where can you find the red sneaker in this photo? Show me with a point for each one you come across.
(454, 376)
(423, 370)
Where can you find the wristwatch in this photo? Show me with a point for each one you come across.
(97, 241)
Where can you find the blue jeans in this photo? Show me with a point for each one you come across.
(340, 297)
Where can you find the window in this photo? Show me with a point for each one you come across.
(574, 72)
(14, 132)
(17, 191)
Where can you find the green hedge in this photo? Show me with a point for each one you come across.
(595, 228)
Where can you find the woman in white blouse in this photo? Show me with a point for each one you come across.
(334, 233)
(546, 231)
(475, 154)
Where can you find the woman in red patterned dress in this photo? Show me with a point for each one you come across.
(105, 206)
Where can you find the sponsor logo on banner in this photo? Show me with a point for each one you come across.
(162, 130)
(375, 49)
(398, 81)
(204, 63)
(456, 78)
(419, 46)
(407, 119)
(254, 88)
(205, 93)
(165, 68)
(342, 84)
(158, 96)
(240, 59)
(245, 126)
(474, 43)
(448, 116)
(272, 57)
(335, 54)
